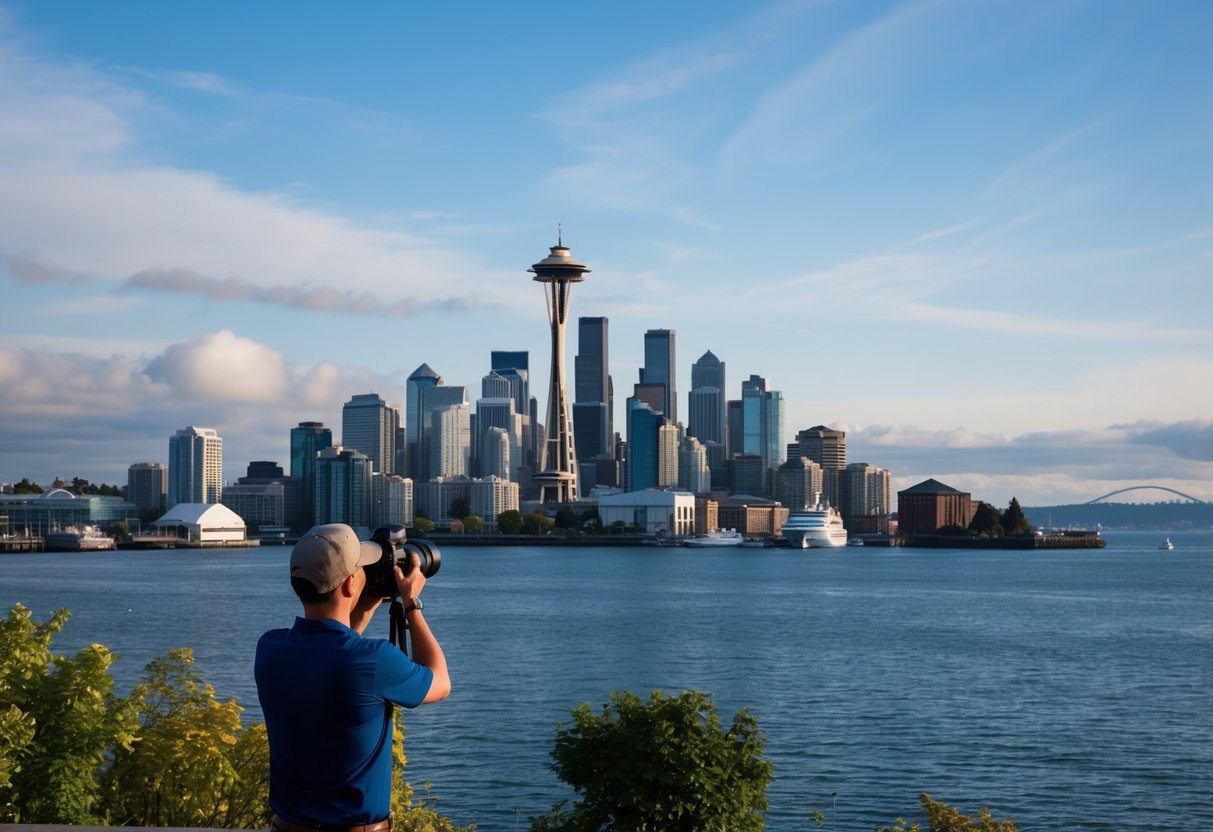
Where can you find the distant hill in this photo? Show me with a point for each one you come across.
(1151, 516)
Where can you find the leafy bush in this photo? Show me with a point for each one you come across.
(662, 765)
(943, 818)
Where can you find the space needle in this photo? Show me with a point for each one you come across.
(557, 477)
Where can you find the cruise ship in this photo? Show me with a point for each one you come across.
(815, 527)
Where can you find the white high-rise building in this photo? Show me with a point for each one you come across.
(490, 496)
(667, 455)
(450, 441)
(495, 456)
(694, 475)
(195, 466)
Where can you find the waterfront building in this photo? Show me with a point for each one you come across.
(866, 503)
(557, 475)
(420, 379)
(195, 466)
(393, 500)
(147, 486)
(753, 516)
(433, 499)
(202, 524)
(707, 514)
(36, 514)
(653, 511)
(799, 482)
(928, 506)
(828, 448)
(342, 488)
(490, 496)
(307, 440)
(660, 368)
(694, 475)
(369, 425)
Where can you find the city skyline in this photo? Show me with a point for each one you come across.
(975, 238)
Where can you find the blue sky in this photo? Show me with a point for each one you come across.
(976, 236)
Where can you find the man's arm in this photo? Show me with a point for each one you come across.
(426, 649)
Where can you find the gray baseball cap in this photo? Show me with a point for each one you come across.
(329, 554)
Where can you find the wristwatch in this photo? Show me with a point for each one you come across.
(413, 603)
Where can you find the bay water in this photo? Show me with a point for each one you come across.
(1071, 689)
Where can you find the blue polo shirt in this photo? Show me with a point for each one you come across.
(327, 696)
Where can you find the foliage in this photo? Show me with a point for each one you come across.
(662, 765)
(509, 522)
(193, 763)
(459, 508)
(27, 487)
(943, 818)
(536, 523)
(953, 529)
(170, 754)
(423, 525)
(986, 520)
(591, 520)
(1013, 520)
(565, 519)
(473, 524)
(58, 718)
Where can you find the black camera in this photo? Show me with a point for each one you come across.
(398, 549)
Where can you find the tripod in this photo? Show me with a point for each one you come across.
(398, 625)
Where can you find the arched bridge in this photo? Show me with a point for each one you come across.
(1188, 497)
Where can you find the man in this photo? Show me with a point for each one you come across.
(327, 693)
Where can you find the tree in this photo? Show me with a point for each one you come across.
(193, 763)
(536, 523)
(943, 818)
(565, 519)
(509, 522)
(1013, 520)
(986, 521)
(27, 487)
(459, 508)
(423, 525)
(664, 765)
(473, 524)
(58, 719)
(591, 520)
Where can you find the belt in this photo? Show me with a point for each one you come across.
(282, 825)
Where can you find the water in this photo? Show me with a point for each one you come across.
(1069, 689)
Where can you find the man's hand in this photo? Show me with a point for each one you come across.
(410, 586)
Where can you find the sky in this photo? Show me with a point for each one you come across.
(978, 237)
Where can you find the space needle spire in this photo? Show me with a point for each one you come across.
(557, 477)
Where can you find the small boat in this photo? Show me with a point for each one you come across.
(754, 544)
(855, 541)
(1166, 544)
(721, 537)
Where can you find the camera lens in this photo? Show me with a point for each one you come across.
(427, 553)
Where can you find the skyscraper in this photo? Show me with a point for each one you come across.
(421, 378)
(368, 424)
(342, 488)
(147, 485)
(659, 368)
(307, 440)
(762, 425)
(593, 428)
(828, 448)
(195, 466)
(433, 398)
(706, 402)
(557, 476)
(643, 445)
